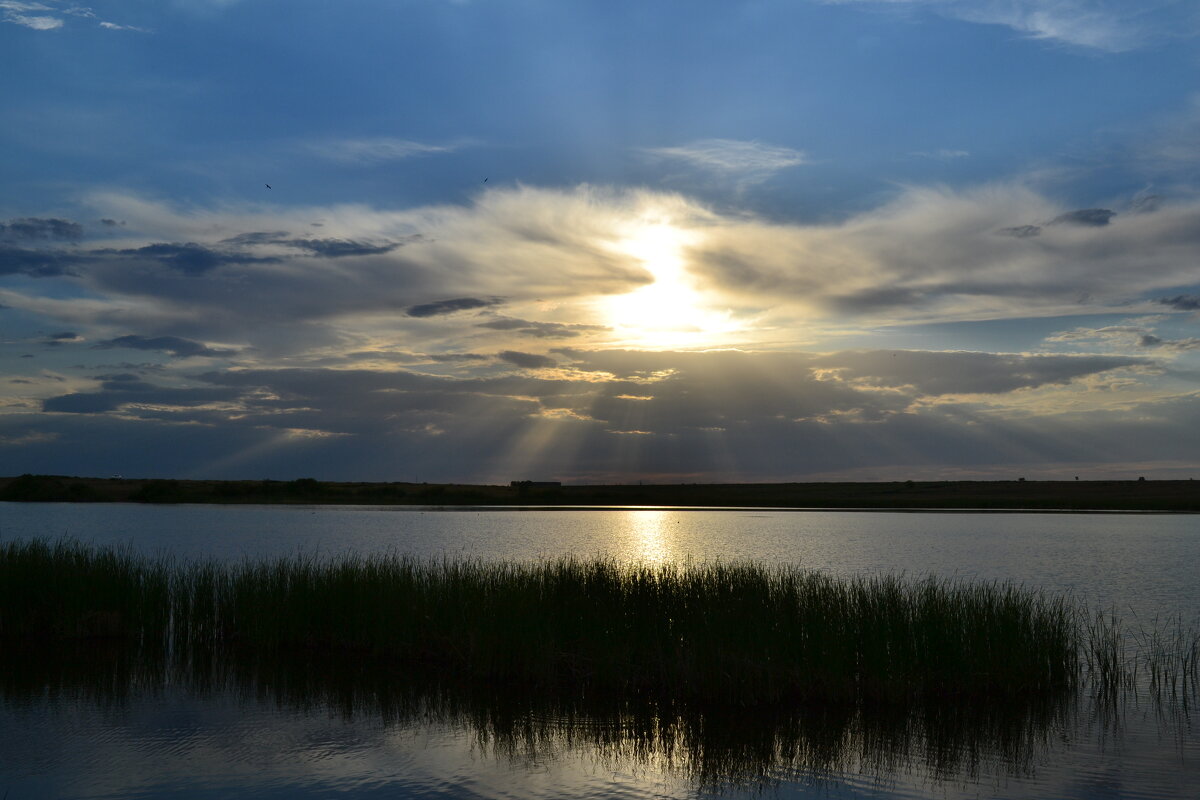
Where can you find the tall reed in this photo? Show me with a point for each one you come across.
(65, 589)
(730, 633)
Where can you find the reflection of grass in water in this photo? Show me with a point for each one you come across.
(724, 673)
(739, 633)
(713, 745)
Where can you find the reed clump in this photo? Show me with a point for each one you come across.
(725, 633)
(65, 590)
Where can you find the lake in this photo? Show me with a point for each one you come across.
(67, 732)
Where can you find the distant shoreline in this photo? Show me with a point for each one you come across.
(1177, 496)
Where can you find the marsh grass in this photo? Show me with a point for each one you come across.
(729, 633)
(1160, 660)
(66, 590)
(726, 673)
(734, 633)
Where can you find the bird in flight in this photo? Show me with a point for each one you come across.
(267, 185)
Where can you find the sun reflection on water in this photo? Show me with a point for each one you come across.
(648, 535)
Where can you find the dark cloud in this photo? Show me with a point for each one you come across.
(709, 390)
(339, 248)
(174, 345)
(1179, 345)
(1021, 231)
(1182, 302)
(1091, 217)
(526, 360)
(934, 373)
(541, 330)
(257, 237)
(441, 307)
(879, 297)
(125, 384)
(61, 338)
(35, 229)
(111, 223)
(189, 258)
(115, 394)
(35, 263)
(721, 415)
(451, 358)
(504, 324)
(328, 248)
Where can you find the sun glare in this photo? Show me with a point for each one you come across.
(669, 312)
(648, 535)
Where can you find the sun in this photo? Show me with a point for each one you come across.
(671, 311)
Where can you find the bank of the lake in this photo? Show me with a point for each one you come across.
(1181, 496)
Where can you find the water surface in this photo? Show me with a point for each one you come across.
(80, 733)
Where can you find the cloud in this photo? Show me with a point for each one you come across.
(229, 275)
(1021, 231)
(20, 440)
(329, 248)
(173, 345)
(526, 360)
(937, 253)
(14, 12)
(747, 161)
(375, 150)
(378, 279)
(541, 330)
(35, 263)
(188, 258)
(119, 394)
(62, 337)
(453, 358)
(112, 26)
(443, 307)
(724, 415)
(40, 229)
(1181, 302)
(944, 373)
(37, 232)
(340, 248)
(1130, 336)
(1093, 217)
(1109, 25)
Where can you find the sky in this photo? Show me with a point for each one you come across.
(491, 240)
